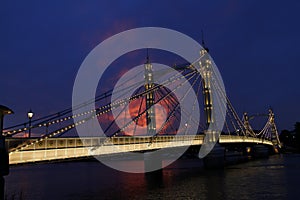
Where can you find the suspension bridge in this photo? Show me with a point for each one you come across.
(145, 120)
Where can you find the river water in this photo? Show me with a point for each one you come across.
(277, 177)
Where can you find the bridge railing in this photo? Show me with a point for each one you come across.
(64, 148)
(60, 143)
(243, 139)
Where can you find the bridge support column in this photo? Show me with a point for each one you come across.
(235, 154)
(247, 152)
(260, 151)
(152, 161)
(216, 158)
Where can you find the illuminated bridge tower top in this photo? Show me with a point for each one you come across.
(150, 101)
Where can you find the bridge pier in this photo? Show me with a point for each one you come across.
(152, 161)
(216, 158)
(236, 154)
(247, 152)
(260, 151)
(233, 157)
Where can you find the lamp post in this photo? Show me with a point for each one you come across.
(4, 161)
(29, 115)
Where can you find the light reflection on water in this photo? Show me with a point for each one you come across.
(273, 178)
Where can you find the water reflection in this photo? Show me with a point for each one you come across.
(185, 179)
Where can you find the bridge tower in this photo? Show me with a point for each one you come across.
(206, 73)
(150, 111)
(274, 137)
(246, 123)
(216, 156)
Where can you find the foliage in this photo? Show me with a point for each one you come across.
(291, 139)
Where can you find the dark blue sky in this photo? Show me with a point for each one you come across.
(254, 44)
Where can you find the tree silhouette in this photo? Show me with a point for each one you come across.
(297, 131)
(297, 127)
(285, 137)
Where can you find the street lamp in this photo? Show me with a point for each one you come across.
(29, 115)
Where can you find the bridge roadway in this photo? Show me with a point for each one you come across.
(66, 148)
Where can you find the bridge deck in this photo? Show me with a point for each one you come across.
(64, 148)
